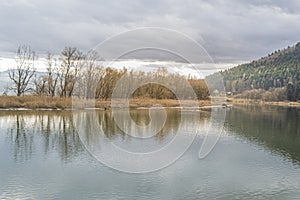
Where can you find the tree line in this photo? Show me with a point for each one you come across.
(82, 74)
(274, 77)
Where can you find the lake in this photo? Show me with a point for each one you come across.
(44, 155)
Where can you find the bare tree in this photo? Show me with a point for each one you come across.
(72, 60)
(107, 82)
(47, 84)
(40, 85)
(53, 74)
(24, 71)
(92, 73)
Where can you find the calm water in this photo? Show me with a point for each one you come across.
(42, 156)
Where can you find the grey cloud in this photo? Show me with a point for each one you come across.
(229, 30)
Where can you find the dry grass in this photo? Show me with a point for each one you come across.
(37, 102)
(33, 102)
(261, 102)
(167, 102)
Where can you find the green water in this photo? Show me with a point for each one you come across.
(42, 156)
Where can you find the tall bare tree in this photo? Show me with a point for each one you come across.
(107, 82)
(52, 74)
(72, 60)
(24, 70)
(47, 84)
(91, 74)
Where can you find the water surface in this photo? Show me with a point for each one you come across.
(42, 157)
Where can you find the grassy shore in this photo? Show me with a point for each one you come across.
(261, 102)
(46, 102)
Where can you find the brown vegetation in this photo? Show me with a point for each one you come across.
(75, 73)
(241, 101)
(32, 102)
(272, 95)
(46, 102)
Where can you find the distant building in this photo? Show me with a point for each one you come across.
(229, 93)
(216, 92)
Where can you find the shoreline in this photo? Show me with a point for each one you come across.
(235, 101)
(58, 103)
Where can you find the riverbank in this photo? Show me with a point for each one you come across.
(46, 102)
(261, 102)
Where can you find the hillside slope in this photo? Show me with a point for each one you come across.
(279, 69)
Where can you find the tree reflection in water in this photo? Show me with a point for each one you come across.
(53, 131)
(275, 128)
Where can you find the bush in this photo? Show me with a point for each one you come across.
(269, 96)
(274, 94)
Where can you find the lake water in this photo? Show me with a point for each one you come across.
(42, 156)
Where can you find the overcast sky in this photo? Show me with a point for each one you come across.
(230, 31)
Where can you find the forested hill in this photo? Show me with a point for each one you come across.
(280, 69)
